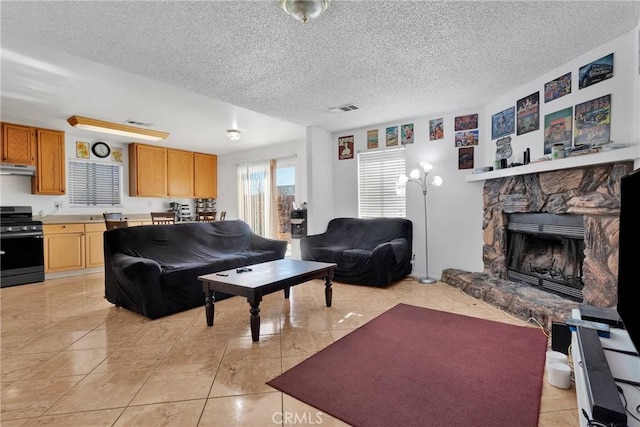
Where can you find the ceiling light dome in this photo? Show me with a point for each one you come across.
(303, 10)
(233, 134)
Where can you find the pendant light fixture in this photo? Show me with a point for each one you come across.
(304, 10)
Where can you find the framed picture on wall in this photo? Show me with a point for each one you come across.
(465, 158)
(592, 121)
(557, 88)
(558, 129)
(528, 112)
(436, 129)
(82, 150)
(466, 122)
(502, 123)
(392, 136)
(466, 138)
(596, 71)
(345, 147)
(372, 139)
(407, 133)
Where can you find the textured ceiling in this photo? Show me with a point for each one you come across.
(210, 65)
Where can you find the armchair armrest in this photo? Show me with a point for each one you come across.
(397, 250)
(265, 244)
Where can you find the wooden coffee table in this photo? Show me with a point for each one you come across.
(263, 279)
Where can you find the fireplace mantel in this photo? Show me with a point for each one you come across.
(612, 156)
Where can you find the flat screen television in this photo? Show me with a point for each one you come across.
(629, 256)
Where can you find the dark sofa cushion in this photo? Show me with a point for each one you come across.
(371, 251)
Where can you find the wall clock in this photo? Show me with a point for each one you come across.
(101, 149)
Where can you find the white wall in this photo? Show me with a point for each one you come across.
(320, 179)
(624, 88)
(16, 190)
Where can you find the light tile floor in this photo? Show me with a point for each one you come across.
(70, 358)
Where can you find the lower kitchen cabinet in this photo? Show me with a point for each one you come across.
(94, 249)
(63, 247)
(73, 246)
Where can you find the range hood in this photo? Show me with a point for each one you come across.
(13, 169)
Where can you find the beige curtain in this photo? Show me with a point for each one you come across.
(256, 196)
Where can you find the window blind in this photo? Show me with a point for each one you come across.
(95, 184)
(378, 173)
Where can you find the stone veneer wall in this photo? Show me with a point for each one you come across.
(592, 191)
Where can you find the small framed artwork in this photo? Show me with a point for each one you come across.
(466, 122)
(436, 129)
(557, 88)
(345, 147)
(528, 112)
(82, 150)
(596, 71)
(466, 138)
(116, 154)
(392, 136)
(592, 121)
(558, 129)
(465, 158)
(407, 133)
(502, 123)
(372, 139)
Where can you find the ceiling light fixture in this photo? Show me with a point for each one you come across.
(115, 128)
(303, 10)
(233, 134)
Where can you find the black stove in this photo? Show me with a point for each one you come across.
(21, 247)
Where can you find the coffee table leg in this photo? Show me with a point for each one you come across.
(208, 304)
(255, 321)
(287, 290)
(328, 292)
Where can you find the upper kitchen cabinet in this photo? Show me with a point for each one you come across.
(147, 170)
(180, 173)
(18, 144)
(50, 175)
(206, 175)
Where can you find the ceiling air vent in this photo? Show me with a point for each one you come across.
(344, 108)
(136, 123)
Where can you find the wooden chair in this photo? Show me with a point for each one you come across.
(207, 216)
(163, 218)
(223, 215)
(111, 224)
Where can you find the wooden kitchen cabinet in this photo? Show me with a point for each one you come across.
(161, 172)
(93, 243)
(206, 175)
(63, 247)
(147, 170)
(50, 175)
(180, 173)
(18, 144)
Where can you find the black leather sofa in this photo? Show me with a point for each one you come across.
(153, 269)
(372, 251)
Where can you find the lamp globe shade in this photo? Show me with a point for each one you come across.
(415, 174)
(437, 181)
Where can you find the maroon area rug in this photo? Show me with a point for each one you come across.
(414, 366)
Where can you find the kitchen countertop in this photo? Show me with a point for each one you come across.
(88, 218)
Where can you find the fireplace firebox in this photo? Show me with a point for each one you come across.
(547, 251)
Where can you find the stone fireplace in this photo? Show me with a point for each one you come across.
(547, 251)
(592, 192)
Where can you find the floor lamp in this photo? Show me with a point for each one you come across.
(420, 177)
